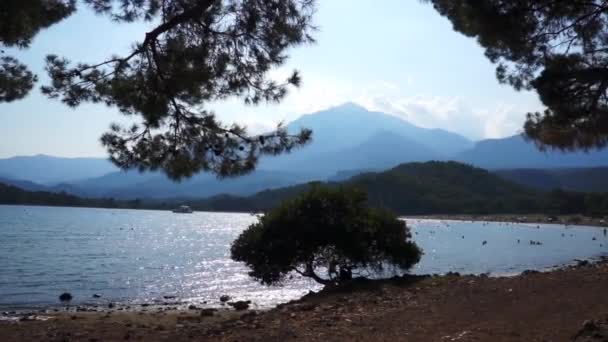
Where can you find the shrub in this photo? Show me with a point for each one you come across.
(327, 234)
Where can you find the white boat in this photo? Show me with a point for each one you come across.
(183, 209)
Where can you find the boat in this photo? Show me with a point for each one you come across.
(183, 209)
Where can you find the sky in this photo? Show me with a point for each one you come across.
(394, 56)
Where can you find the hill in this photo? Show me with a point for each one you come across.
(13, 195)
(409, 189)
(346, 138)
(571, 179)
(45, 169)
(132, 185)
(433, 188)
(515, 152)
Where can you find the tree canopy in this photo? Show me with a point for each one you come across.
(20, 21)
(557, 48)
(200, 51)
(329, 230)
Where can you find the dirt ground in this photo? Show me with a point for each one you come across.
(552, 306)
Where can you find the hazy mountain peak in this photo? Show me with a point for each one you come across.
(517, 152)
(349, 106)
(47, 169)
(350, 124)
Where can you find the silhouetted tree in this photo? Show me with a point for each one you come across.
(557, 48)
(329, 230)
(200, 51)
(20, 21)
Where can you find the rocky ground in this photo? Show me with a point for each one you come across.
(562, 305)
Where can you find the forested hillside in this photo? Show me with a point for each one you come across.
(409, 189)
(434, 188)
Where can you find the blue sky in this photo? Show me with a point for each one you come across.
(399, 57)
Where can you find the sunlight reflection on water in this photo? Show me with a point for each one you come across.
(142, 256)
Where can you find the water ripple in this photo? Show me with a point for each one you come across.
(142, 256)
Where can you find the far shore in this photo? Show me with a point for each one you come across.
(569, 220)
(554, 306)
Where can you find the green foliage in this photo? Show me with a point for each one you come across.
(200, 51)
(559, 49)
(330, 230)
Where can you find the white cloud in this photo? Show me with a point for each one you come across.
(449, 113)
(320, 92)
(452, 114)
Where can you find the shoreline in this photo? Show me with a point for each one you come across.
(536, 218)
(567, 220)
(432, 306)
(179, 307)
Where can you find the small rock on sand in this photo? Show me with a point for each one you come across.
(65, 297)
(240, 305)
(208, 312)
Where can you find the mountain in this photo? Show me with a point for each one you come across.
(350, 124)
(353, 134)
(346, 137)
(516, 152)
(23, 184)
(408, 189)
(413, 188)
(341, 176)
(132, 185)
(381, 151)
(10, 194)
(571, 179)
(45, 169)
(340, 130)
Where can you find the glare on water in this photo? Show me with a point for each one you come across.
(142, 256)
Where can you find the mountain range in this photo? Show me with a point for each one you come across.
(408, 189)
(347, 140)
(49, 170)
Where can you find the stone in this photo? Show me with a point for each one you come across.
(208, 312)
(65, 297)
(224, 298)
(592, 331)
(249, 316)
(582, 263)
(240, 305)
(529, 272)
(305, 307)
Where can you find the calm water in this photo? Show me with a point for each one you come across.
(141, 256)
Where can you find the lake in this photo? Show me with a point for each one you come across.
(143, 256)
